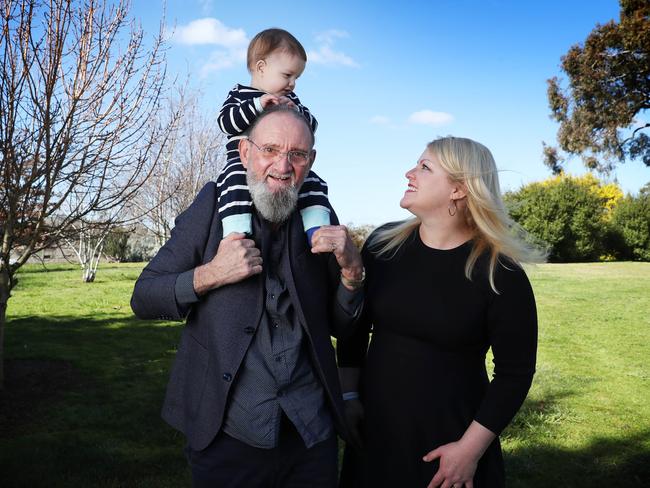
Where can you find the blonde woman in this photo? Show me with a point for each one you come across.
(441, 289)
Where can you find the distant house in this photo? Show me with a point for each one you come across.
(62, 254)
(142, 245)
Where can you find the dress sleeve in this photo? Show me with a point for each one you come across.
(345, 306)
(351, 350)
(237, 113)
(512, 330)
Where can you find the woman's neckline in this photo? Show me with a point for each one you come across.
(454, 247)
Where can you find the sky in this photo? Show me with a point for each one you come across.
(384, 78)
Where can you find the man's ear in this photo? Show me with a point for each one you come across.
(244, 149)
(312, 158)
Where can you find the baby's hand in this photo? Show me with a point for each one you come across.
(286, 101)
(269, 100)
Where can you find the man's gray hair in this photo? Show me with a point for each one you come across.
(282, 109)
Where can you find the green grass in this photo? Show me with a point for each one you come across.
(586, 422)
(106, 429)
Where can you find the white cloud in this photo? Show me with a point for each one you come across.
(380, 120)
(326, 55)
(206, 6)
(429, 117)
(232, 42)
(222, 59)
(328, 37)
(210, 31)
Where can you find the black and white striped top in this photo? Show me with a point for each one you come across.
(241, 108)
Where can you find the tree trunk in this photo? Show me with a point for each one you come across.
(88, 274)
(4, 298)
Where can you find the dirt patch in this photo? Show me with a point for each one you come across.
(32, 385)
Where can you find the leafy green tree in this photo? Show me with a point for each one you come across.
(631, 220)
(608, 88)
(564, 212)
(117, 244)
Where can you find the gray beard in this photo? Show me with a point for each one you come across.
(274, 207)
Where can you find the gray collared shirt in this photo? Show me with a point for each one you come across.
(277, 374)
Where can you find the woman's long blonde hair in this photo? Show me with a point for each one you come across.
(471, 164)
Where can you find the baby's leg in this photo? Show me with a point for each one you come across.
(313, 204)
(234, 200)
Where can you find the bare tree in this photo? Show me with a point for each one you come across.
(78, 91)
(193, 155)
(89, 246)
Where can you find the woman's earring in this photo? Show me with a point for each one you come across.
(452, 208)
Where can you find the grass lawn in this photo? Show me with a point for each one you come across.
(94, 419)
(587, 418)
(104, 427)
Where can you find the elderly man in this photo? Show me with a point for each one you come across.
(254, 385)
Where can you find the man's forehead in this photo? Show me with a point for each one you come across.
(282, 127)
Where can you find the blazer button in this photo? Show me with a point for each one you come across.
(249, 330)
(227, 377)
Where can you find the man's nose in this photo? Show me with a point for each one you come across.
(282, 163)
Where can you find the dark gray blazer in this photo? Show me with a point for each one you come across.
(220, 326)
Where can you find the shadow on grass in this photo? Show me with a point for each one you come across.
(104, 428)
(606, 462)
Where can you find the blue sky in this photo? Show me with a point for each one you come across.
(384, 78)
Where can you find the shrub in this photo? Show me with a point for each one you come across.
(631, 220)
(567, 213)
(116, 245)
(359, 233)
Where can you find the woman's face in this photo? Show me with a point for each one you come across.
(429, 188)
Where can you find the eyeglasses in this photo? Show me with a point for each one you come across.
(295, 158)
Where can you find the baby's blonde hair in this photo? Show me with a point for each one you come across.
(471, 164)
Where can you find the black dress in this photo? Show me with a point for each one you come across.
(424, 377)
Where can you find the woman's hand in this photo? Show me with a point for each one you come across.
(354, 416)
(457, 466)
(458, 460)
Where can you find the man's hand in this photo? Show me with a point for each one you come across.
(336, 239)
(237, 258)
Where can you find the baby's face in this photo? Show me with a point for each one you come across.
(278, 73)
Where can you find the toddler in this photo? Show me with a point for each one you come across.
(275, 60)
